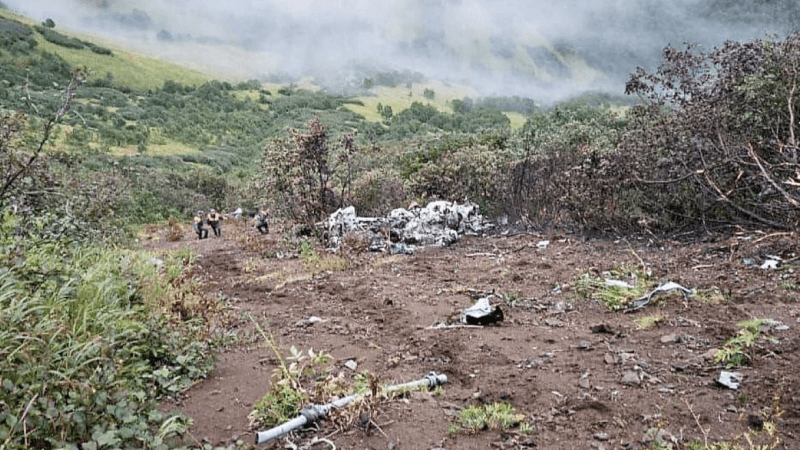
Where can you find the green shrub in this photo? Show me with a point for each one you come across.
(82, 360)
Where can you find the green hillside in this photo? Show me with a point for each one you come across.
(99, 144)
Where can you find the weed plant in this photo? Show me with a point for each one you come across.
(733, 352)
(494, 416)
(608, 288)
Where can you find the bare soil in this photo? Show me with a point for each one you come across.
(557, 358)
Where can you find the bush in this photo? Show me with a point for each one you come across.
(378, 191)
(82, 360)
(720, 132)
(59, 39)
(16, 37)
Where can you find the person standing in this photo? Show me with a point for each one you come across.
(213, 218)
(262, 220)
(201, 231)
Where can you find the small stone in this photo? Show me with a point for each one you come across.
(601, 436)
(601, 328)
(710, 354)
(664, 437)
(609, 359)
(669, 338)
(584, 383)
(755, 421)
(350, 364)
(553, 322)
(631, 378)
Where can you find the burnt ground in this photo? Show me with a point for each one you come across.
(583, 376)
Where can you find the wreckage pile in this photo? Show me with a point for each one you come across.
(402, 230)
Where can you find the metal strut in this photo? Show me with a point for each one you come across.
(316, 412)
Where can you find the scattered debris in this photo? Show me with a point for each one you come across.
(482, 313)
(302, 323)
(317, 412)
(771, 263)
(440, 223)
(664, 287)
(730, 380)
(542, 244)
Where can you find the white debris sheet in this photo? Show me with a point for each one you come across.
(440, 223)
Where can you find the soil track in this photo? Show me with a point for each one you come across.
(583, 376)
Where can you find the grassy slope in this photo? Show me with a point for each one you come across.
(129, 68)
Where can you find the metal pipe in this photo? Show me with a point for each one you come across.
(316, 412)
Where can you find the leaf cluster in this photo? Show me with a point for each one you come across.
(84, 359)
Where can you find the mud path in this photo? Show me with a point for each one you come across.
(583, 376)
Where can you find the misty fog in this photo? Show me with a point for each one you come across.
(539, 49)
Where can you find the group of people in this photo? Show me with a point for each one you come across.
(213, 220)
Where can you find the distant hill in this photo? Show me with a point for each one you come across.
(542, 50)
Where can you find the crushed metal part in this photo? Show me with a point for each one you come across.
(482, 313)
(730, 380)
(440, 223)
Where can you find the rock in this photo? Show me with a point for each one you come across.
(601, 436)
(710, 354)
(755, 421)
(631, 378)
(350, 364)
(601, 328)
(671, 338)
(609, 359)
(553, 322)
(663, 437)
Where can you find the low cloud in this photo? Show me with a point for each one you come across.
(538, 49)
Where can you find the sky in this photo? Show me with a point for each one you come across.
(541, 49)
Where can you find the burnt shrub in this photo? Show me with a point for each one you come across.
(718, 135)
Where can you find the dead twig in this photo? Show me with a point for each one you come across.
(442, 326)
(786, 233)
(786, 195)
(697, 421)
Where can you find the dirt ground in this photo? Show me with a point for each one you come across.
(583, 376)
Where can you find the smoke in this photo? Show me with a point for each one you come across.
(538, 49)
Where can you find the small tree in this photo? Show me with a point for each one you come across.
(296, 174)
(387, 113)
(428, 93)
(20, 159)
